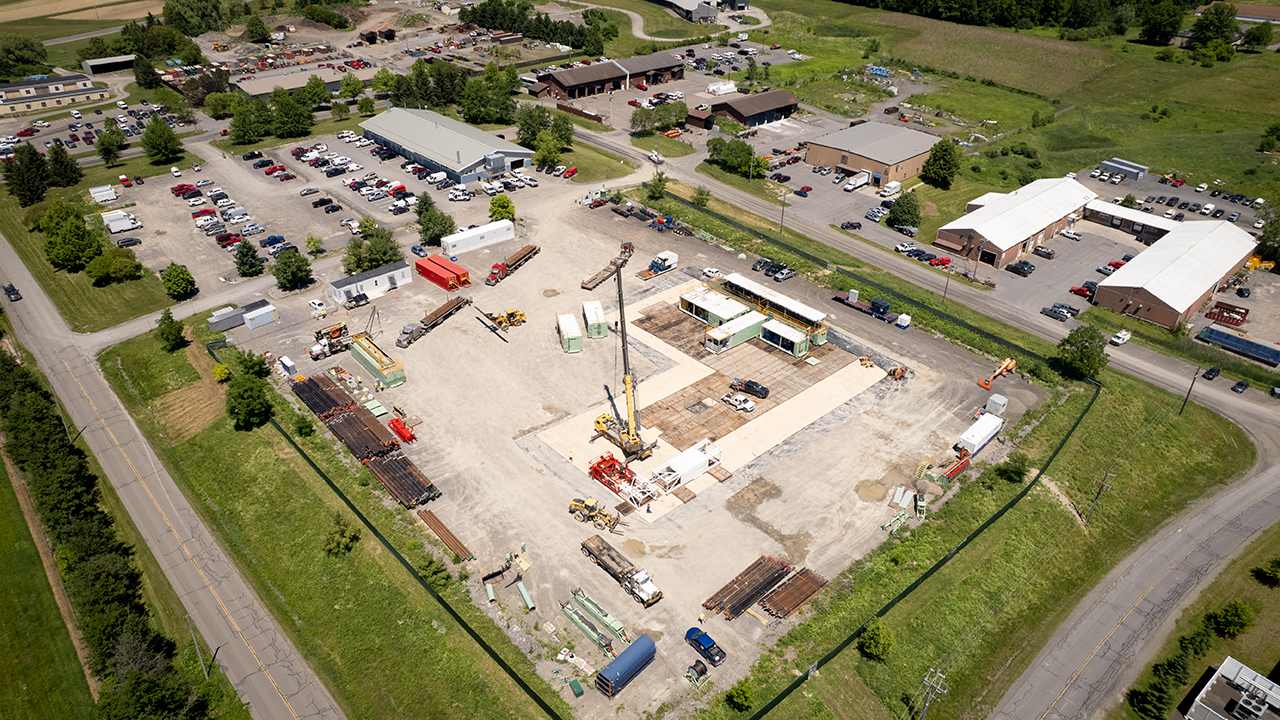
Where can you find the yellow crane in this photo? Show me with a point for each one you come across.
(624, 433)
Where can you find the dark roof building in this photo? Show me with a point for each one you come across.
(751, 110)
(701, 119)
(613, 75)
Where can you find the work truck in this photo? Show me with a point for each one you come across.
(664, 263)
(511, 264)
(635, 581)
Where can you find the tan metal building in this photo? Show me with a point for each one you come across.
(888, 152)
(999, 228)
(1167, 283)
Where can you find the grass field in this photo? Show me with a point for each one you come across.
(664, 145)
(1256, 648)
(42, 675)
(657, 21)
(762, 188)
(366, 627)
(594, 164)
(326, 126)
(975, 102)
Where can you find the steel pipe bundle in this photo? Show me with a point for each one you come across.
(748, 587)
(406, 483)
(794, 593)
(323, 396)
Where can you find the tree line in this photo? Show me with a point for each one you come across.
(132, 659)
(514, 16)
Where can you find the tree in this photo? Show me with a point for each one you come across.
(63, 170)
(253, 364)
(292, 119)
(255, 31)
(1217, 22)
(740, 697)
(905, 212)
(144, 73)
(292, 271)
(160, 142)
(70, 244)
(877, 640)
(1258, 37)
(365, 106)
(943, 164)
(548, 152)
(1269, 235)
(562, 130)
(315, 245)
(1231, 621)
(1268, 574)
(1083, 351)
(27, 175)
(501, 208)
(531, 121)
(1014, 468)
(1160, 22)
(247, 401)
(340, 111)
(382, 81)
(192, 17)
(115, 264)
(1129, 201)
(342, 536)
(177, 281)
(169, 332)
(751, 69)
(701, 196)
(19, 53)
(314, 93)
(252, 121)
(435, 224)
(657, 189)
(643, 121)
(110, 144)
(221, 372)
(351, 87)
(246, 259)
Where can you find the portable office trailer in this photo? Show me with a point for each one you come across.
(593, 313)
(570, 336)
(981, 432)
(785, 338)
(373, 284)
(735, 332)
(478, 237)
(710, 306)
(264, 315)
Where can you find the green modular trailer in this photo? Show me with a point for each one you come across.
(734, 333)
(786, 338)
(593, 313)
(382, 366)
(710, 306)
(570, 336)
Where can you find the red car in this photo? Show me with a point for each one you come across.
(570, 172)
(597, 203)
(201, 213)
(125, 181)
(774, 47)
(793, 159)
(641, 86)
(1178, 183)
(27, 132)
(1081, 291)
(1117, 264)
(806, 188)
(273, 169)
(182, 189)
(633, 103)
(287, 176)
(940, 262)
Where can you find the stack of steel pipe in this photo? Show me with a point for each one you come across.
(403, 480)
(356, 436)
(323, 396)
(748, 587)
(794, 593)
(376, 428)
(446, 536)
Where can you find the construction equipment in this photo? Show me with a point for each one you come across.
(635, 581)
(614, 265)
(1005, 368)
(591, 511)
(613, 474)
(505, 321)
(330, 341)
(221, 47)
(625, 433)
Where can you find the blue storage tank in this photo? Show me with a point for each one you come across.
(618, 674)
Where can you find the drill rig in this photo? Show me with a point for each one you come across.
(624, 433)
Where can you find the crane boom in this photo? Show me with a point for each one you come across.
(625, 433)
(626, 359)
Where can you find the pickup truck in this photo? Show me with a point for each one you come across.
(1121, 337)
(738, 401)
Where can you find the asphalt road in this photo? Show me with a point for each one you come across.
(1101, 648)
(259, 660)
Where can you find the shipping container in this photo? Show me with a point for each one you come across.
(593, 313)
(570, 336)
(464, 277)
(437, 274)
(264, 315)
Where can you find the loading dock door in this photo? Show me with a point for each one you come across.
(986, 256)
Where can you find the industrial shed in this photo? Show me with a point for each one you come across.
(611, 75)
(107, 64)
(296, 81)
(998, 228)
(1168, 282)
(752, 110)
(374, 283)
(1147, 227)
(889, 152)
(460, 151)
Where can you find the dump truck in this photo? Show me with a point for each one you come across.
(664, 263)
(878, 308)
(635, 581)
(511, 264)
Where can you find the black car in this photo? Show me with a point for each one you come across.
(334, 172)
(332, 208)
(1215, 193)
(254, 155)
(1211, 373)
(1243, 292)
(128, 242)
(774, 269)
(1219, 212)
(264, 162)
(1184, 205)
(887, 204)
(188, 195)
(1160, 200)
(12, 293)
(1240, 387)
(1022, 267)
(761, 264)
(322, 202)
(751, 387)
(137, 180)
(1173, 201)
(1090, 285)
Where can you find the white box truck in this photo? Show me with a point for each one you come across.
(857, 181)
(891, 189)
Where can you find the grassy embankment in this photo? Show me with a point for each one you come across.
(376, 639)
(664, 145)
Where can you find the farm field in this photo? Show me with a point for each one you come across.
(658, 22)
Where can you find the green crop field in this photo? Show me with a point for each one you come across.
(372, 634)
(42, 675)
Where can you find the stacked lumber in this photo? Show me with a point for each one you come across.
(748, 587)
(323, 396)
(403, 480)
(448, 538)
(791, 595)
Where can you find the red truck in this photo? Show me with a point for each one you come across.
(511, 264)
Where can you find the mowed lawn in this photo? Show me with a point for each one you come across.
(382, 645)
(594, 164)
(664, 145)
(42, 677)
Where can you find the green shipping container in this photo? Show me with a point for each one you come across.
(570, 336)
(593, 313)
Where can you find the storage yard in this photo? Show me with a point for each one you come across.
(736, 506)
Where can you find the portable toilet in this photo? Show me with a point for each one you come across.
(996, 404)
(570, 336)
(593, 313)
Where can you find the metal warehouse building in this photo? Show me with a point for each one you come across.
(462, 152)
(1168, 282)
(296, 81)
(107, 64)
(611, 75)
(888, 152)
(998, 228)
(752, 110)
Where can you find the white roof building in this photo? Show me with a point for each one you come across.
(1008, 219)
(1135, 215)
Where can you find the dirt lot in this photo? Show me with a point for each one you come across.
(493, 403)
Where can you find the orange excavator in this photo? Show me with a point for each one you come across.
(1005, 368)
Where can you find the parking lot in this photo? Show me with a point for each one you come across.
(507, 421)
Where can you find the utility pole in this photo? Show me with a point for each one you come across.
(933, 686)
(197, 644)
(1103, 486)
(1188, 397)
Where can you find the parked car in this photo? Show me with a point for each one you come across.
(1212, 373)
(1072, 311)
(774, 269)
(1044, 252)
(782, 275)
(1022, 267)
(1240, 387)
(254, 155)
(1070, 235)
(1055, 313)
(761, 264)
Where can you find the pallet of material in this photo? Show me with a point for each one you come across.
(323, 396)
(748, 587)
(403, 480)
(791, 595)
(446, 536)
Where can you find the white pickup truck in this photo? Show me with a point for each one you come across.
(1121, 337)
(738, 401)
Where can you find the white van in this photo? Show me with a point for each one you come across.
(122, 105)
(436, 177)
(1208, 208)
(76, 114)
